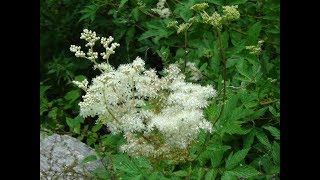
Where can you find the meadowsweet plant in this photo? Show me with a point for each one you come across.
(162, 10)
(255, 49)
(158, 117)
(229, 13)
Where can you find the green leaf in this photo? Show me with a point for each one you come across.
(276, 153)
(123, 163)
(273, 110)
(72, 95)
(244, 171)
(136, 13)
(96, 127)
(53, 113)
(248, 139)
(156, 29)
(80, 78)
(236, 2)
(89, 12)
(122, 2)
(183, 9)
(225, 39)
(70, 122)
(181, 173)
(274, 131)
(234, 159)
(228, 176)
(89, 159)
(253, 33)
(259, 113)
(217, 2)
(243, 69)
(262, 137)
(211, 174)
(43, 90)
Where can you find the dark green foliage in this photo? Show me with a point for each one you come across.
(246, 140)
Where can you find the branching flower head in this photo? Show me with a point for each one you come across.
(255, 49)
(231, 13)
(159, 117)
(161, 10)
(200, 7)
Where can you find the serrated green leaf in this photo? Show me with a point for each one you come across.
(274, 131)
(262, 137)
(272, 110)
(122, 3)
(216, 158)
(142, 163)
(89, 12)
(123, 163)
(259, 113)
(231, 104)
(183, 9)
(157, 176)
(276, 153)
(243, 69)
(96, 127)
(234, 159)
(234, 128)
(248, 139)
(228, 176)
(211, 174)
(89, 159)
(156, 29)
(101, 173)
(80, 78)
(236, 2)
(253, 33)
(43, 90)
(136, 13)
(217, 2)
(53, 113)
(181, 173)
(244, 171)
(70, 122)
(72, 95)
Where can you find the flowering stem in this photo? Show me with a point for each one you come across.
(185, 51)
(224, 74)
(109, 111)
(132, 91)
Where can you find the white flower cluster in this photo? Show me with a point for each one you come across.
(91, 37)
(230, 13)
(161, 10)
(159, 117)
(200, 7)
(255, 49)
(195, 73)
(109, 50)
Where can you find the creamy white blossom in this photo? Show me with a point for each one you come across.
(161, 10)
(159, 117)
(255, 49)
(231, 13)
(195, 73)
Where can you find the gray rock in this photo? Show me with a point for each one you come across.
(60, 157)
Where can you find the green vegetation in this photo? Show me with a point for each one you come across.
(239, 57)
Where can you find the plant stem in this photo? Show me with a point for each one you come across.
(223, 57)
(268, 102)
(224, 60)
(109, 111)
(185, 51)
